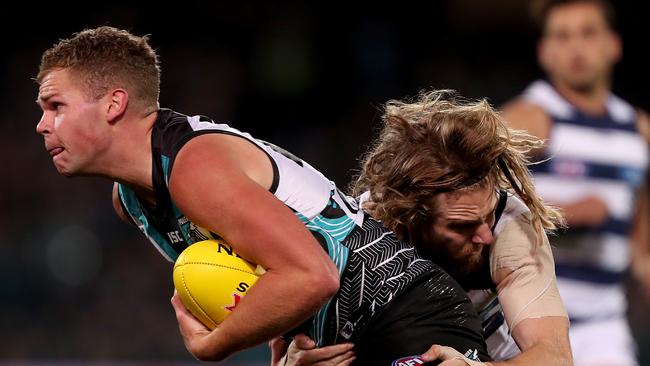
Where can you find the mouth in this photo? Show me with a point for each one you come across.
(55, 151)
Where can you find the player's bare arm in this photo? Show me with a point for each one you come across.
(221, 183)
(522, 115)
(543, 341)
(523, 270)
(640, 239)
(588, 211)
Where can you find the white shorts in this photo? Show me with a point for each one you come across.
(603, 343)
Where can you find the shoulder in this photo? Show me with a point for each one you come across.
(515, 210)
(222, 156)
(522, 114)
(172, 130)
(201, 140)
(515, 237)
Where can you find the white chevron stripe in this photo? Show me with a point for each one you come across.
(372, 242)
(416, 261)
(363, 279)
(395, 255)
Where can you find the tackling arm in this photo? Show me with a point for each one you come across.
(523, 270)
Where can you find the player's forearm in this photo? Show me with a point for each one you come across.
(640, 237)
(587, 212)
(541, 354)
(276, 304)
(543, 341)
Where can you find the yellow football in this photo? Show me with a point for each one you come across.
(211, 279)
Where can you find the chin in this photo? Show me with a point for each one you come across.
(582, 84)
(66, 171)
(473, 262)
(470, 265)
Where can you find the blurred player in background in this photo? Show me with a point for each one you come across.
(594, 164)
(450, 176)
(181, 179)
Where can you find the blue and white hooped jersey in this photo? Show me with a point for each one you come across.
(602, 156)
(373, 264)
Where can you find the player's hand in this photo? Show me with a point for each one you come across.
(641, 270)
(449, 356)
(278, 348)
(194, 333)
(302, 352)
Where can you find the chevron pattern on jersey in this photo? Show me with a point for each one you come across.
(379, 267)
(331, 227)
(374, 266)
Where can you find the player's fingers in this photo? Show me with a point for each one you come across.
(448, 353)
(348, 362)
(187, 323)
(342, 358)
(178, 304)
(304, 342)
(327, 353)
(278, 348)
(454, 362)
(432, 354)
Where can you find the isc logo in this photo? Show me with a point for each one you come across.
(408, 361)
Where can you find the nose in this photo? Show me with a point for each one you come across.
(44, 125)
(483, 235)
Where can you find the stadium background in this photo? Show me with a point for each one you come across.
(78, 286)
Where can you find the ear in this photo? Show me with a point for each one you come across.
(117, 102)
(543, 58)
(615, 47)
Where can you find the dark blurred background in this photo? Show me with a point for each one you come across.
(78, 285)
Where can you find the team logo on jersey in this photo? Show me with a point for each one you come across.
(195, 232)
(570, 168)
(408, 361)
(472, 354)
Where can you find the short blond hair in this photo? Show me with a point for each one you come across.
(105, 58)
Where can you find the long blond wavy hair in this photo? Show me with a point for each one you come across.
(440, 142)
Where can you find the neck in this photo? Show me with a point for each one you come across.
(131, 156)
(591, 101)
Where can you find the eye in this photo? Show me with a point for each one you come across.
(589, 32)
(464, 228)
(561, 35)
(57, 105)
(492, 218)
